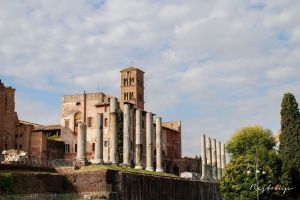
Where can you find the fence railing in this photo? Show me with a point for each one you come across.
(33, 161)
(49, 196)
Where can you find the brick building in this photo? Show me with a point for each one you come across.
(84, 107)
(22, 135)
(14, 134)
(43, 143)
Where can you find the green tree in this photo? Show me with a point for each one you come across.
(120, 135)
(289, 149)
(251, 148)
(246, 140)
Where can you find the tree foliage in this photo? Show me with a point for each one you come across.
(120, 135)
(248, 146)
(247, 140)
(289, 148)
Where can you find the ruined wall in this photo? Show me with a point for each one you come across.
(38, 145)
(45, 149)
(116, 185)
(8, 117)
(173, 143)
(23, 137)
(55, 149)
(186, 164)
(27, 183)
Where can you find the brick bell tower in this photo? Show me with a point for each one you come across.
(132, 87)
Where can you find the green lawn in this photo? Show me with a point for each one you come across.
(124, 169)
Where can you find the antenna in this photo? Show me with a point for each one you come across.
(98, 88)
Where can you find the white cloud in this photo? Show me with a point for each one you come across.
(34, 110)
(216, 65)
(284, 73)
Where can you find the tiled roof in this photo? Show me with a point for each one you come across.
(47, 128)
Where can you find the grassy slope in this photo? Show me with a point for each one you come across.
(124, 169)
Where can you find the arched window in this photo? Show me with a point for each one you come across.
(77, 118)
(132, 81)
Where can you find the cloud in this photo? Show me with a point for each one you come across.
(35, 110)
(216, 65)
(283, 73)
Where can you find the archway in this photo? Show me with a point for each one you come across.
(176, 170)
(77, 119)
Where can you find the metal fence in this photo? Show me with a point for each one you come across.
(33, 161)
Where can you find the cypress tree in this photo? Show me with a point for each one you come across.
(120, 135)
(289, 148)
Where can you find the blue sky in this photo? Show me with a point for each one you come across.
(216, 65)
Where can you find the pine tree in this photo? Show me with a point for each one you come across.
(289, 148)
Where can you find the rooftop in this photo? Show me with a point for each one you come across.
(47, 127)
(28, 123)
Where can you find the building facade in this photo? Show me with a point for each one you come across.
(21, 135)
(84, 107)
(8, 118)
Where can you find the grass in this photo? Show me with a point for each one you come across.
(53, 137)
(125, 169)
(21, 172)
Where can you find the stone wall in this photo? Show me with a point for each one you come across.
(38, 145)
(95, 181)
(186, 164)
(114, 185)
(55, 149)
(27, 183)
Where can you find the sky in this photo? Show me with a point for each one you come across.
(216, 65)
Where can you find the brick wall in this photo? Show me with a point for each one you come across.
(55, 149)
(36, 183)
(115, 185)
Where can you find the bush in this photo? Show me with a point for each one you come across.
(6, 182)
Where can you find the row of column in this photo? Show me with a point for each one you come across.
(81, 149)
(138, 140)
(213, 158)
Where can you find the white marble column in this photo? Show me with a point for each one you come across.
(208, 157)
(219, 160)
(149, 132)
(214, 159)
(203, 158)
(81, 142)
(159, 144)
(113, 131)
(223, 157)
(126, 134)
(98, 158)
(138, 143)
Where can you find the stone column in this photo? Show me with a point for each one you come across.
(219, 160)
(223, 157)
(113, 131)
(149, 127)
(214, 159)
(81, 143)
(138, 142)
(158, 145)
(98, 158)
(126, 137)
(208, 157)
(203, 158)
